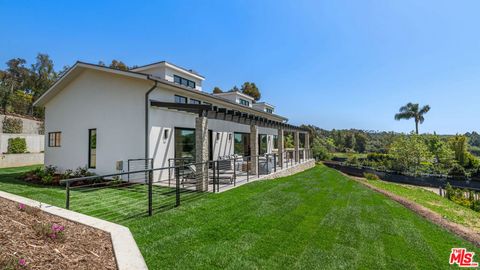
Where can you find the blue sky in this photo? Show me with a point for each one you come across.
(334, 64)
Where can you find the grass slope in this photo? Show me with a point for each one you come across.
(448, 209)
(315, 219)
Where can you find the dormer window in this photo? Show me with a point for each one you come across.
(268, 110)
(183, 81)
(244, 102)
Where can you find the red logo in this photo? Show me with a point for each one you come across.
(462, 257)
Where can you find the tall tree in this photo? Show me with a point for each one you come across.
(13, 78)
(41, 77)
(217, 90)
(118, 65)
(412, 110)
(251, 89)
(234, 89)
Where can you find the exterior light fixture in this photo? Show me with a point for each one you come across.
(165, 134)
(229, 136)
(218, 136)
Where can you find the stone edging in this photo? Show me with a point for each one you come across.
(458, 229)
(125, 248)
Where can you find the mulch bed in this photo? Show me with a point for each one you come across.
(25, 239)
(458, 229)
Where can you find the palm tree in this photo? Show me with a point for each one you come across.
(410, 111)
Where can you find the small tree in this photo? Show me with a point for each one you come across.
(408, 152)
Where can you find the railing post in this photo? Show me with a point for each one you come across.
(218, 177)
(258, 166)
(213, 176)
(128, 168)
(266, 158)
(177, 186)
(234, 171)
(67, 203)
(249, 162)
(150, 191)
(275, 162)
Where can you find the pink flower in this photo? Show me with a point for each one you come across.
(22, 262)
(53, 235)
(21, 206)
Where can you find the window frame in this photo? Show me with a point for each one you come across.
(57, 139)
(195, 101)
(244, 102)
(90, 166)
(183, 81)
(178, 96)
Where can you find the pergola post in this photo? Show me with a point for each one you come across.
(254, 148)
(296, 141)
(307, 145)
(281, 146)
(201, 152)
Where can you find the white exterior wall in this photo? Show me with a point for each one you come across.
(112, 104)
(167, 73)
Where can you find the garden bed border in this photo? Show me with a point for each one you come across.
(127, 254)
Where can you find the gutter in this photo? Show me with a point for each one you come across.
(147, 114)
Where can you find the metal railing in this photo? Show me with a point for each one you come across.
(167, 187)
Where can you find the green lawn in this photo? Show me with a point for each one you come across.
(315, 219)
(434, 202)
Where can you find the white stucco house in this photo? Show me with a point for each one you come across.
(100, 117)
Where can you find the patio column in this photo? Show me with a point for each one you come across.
(296, 141)
(280, 146)
(254, 148)
(201, 153)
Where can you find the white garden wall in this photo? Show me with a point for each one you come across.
(35, 142)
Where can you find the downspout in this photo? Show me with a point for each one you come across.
(147, 114)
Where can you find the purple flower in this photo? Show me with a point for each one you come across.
(21, 206)
(57, 228)
(22, 262)
(53, 235)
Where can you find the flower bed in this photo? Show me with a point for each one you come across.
(33, 239)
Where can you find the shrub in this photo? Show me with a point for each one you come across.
(12, 125)
(371, 176)
(457, 171)
(17, 145)
(352, 160)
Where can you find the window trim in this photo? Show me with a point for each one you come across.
(56, 135)
(244, 102)
(90, 149)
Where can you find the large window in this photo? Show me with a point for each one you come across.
(241, 144)
(185, 143)
(275, 142)
(54, 139)
(244, 102)
(180, 99)
(183, 81)
(92, 148)
(262, 144)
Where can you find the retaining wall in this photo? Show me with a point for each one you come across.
(30, 126)
(35, 142)
(293, 170)
(17, 160)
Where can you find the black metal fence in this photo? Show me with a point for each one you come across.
(145, 190)
(426, 180)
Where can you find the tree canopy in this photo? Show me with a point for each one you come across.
(412, 110)
(252, 90)
(217, 90)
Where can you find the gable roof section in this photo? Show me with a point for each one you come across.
(78, 67)
(170, 65)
